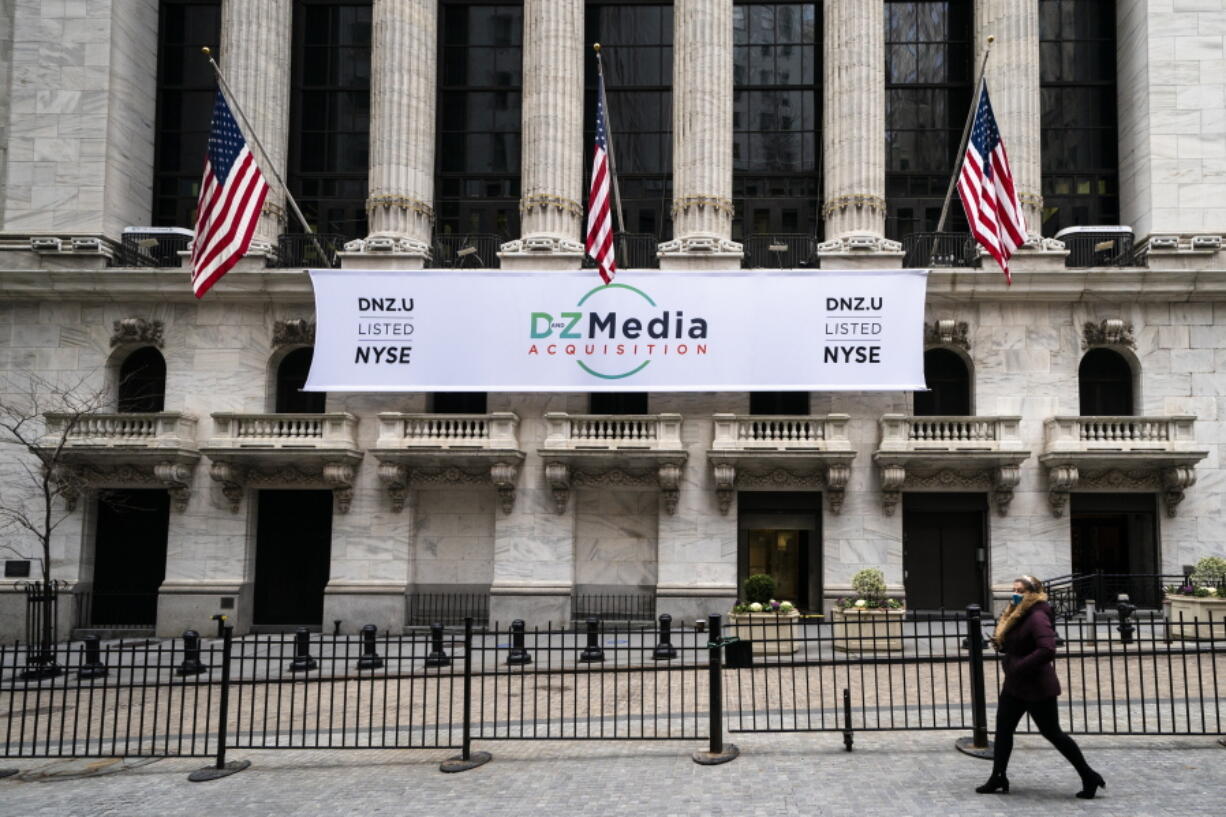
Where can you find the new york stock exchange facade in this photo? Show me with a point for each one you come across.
(1071, 421)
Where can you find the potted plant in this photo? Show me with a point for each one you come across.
(760, 618)
(1197, 607)
(869, 621)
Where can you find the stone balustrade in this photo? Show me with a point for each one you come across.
(901, 432)
(612, 432)
(1118, 433)
(735, 432)
(167, 429)
(498, 430)
(284, 431)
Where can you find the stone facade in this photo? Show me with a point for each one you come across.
(75, 148)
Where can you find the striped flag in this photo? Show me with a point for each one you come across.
(231, 196)
(985, 186)
(599, 243)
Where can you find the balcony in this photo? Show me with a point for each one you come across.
(425, 449)
(124, 451)
(632, 250)
(1121, 454)
(284, 450)
(782, 453)
(951, 454)
(613, 450)
(952, 250)
(781, 251)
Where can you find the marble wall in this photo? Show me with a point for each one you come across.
(615, 538)
(6, 74)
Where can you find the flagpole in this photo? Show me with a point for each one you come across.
(267, 163)
(608, 135)
(966, 134)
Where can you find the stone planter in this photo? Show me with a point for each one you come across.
(1202, 618)
(771, 633)
(868, 630)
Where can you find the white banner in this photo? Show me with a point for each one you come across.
(490, 330)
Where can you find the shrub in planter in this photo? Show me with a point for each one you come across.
(762, 619)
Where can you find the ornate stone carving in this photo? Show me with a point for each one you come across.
(1061, 479)
(725, 486)
(557, 474)
(69, 483)
(1175, 481)
(295, 332)
(1110, 332)
(396, 478)
(1004, 480)
(176, 476)
(892, 479)
(423, 477)
(670, 485)
(137, 331)
(947, 332)
(231, 478)
(615, 477)
(837, 477)
(778, 479)
(504, 475)
(340, 476)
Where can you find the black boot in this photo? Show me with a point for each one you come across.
(998, 783)
(1090, 783)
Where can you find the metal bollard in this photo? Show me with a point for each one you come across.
(91, 665)
(593, 651)
(717, 751)
(977, 745)
(665, 651)
(369, 658)
(191, 655)
(1125, 608)
(336, 626)
(518, 654)
(303, 662)
(437, 657)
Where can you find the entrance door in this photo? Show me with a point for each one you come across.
(129, 558)
(944, 550)
(1114, 536)
(783, 544)
(292, 553)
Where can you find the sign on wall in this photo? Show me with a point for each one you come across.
(490, 330)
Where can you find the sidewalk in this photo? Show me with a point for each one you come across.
(888, 775)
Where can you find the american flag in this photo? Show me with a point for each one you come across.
(231, 196)
(599, 216)
(986, 188)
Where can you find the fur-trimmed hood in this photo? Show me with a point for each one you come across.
(1012, 615)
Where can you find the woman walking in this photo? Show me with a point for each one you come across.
(1026, 638)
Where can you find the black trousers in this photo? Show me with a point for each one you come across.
(1046, 717)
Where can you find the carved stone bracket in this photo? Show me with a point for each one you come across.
(670, 485)
(395, 477)
(837, 476)
(504, 476)
(176, 476)
(1061, 479)
(1004, 480)
(295, 332)
(830, 478)
(71, 481)
(137, 330)
(235, 479)
(231, 478)
(340, 476)
(893, 477)
(947, 332)
(725, 486)
(1110, 332)
(557, 475)
(999, 480)
(1172, 481)
(1176, 480)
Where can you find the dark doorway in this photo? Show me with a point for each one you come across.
(780, 535)
(618, 402)
(129, 558)
(779, 403)
(291, 377)
(142, 382)
(459, 402)
(949, 386)
(1114, 540)
(1105, 383)
(292, 553)
(944, 555)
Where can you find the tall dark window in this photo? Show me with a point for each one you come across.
(1105, 384)
(480, 82)
(184, 106)
(779, 402)
(618, 403)
(459, 402)
(949, 386)
(329, 144)
(142, 382)
(776, 177)
(291, 377)
(929, 72)
(1080, 130)
(637, 50)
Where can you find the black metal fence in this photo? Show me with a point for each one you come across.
(781, 251)
(1100, 249)
(614, 606)
(448, 609)
(632, 251)
(460, 251)
(309, 250)
(923, 250)
(1068, 594)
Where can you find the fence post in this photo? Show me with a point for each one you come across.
(593, 651)
(665, 651)
(718, 752)
(978, 744)
(849, 738)
(222, 768)
(467, 759)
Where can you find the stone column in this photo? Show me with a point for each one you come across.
(553, 155)
(404, 59)
(702, 138)
(255, 57)
(853, 135)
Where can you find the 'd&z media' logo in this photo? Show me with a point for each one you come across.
(616, 331)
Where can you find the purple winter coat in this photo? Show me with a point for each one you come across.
(1028, 655)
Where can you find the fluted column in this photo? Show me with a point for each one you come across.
(702, 137)
(255, 51)
(404, 59)
(853, 127)
(1013, 81)
(553, 151)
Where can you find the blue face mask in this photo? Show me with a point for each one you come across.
(1017, 598)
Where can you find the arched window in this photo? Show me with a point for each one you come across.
(291, 377)
(142, 382)
(949, 386)
(1105, 380)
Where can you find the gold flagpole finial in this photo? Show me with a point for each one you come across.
(206, 51)
(596, 47)
(991, 39)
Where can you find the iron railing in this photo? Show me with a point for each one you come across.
(1068, 594)
(781, 251)
(460, 251)
(614, 606)
(152, 249)
(448, 609)
(116, 611)
(632, 251)
(303, 250)
(1095, 249)
(924, 250)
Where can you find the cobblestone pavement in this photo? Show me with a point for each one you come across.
(888, 774)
